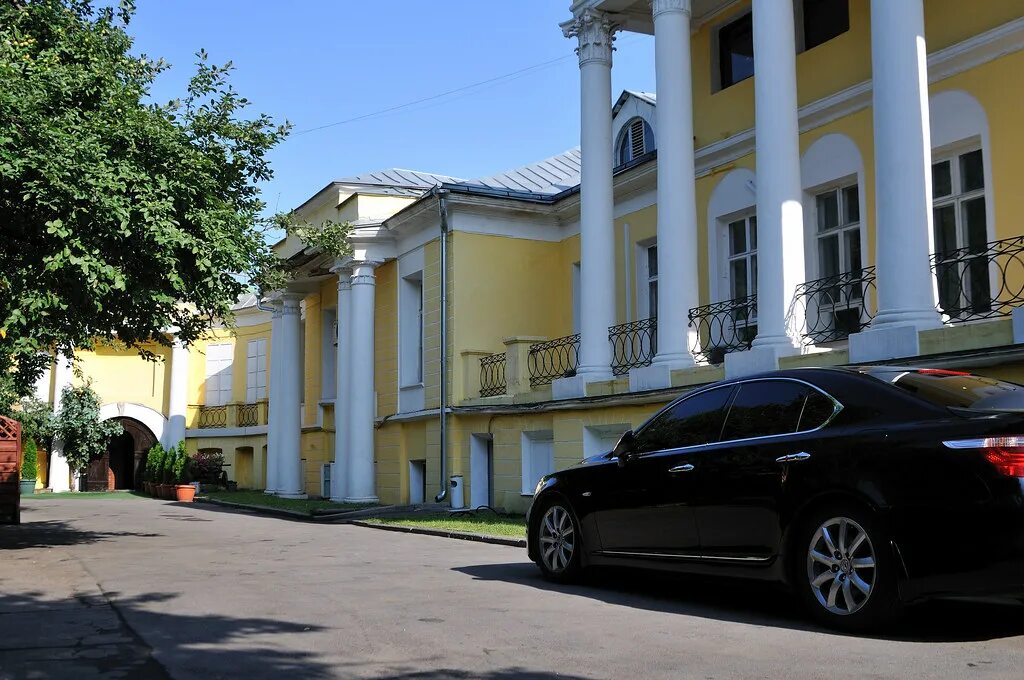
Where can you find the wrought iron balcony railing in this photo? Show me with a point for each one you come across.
(249, 415)
(982, 281)
(634, 344)
(492, 375)
(836, 306)
(723, 327)
(213, 416)
(558, 358)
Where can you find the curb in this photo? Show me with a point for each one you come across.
(441, 533)
(260, 509)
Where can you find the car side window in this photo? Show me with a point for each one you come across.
(766, 407)
(691, 422)
(817, 410)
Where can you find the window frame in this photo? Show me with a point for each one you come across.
(800, 26)
(748, 323)
(626, 142)
(219, 375)
(718, 83)
(252, 378)
(711, 388)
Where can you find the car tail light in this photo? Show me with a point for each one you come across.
(1005, 453)
(940, 371)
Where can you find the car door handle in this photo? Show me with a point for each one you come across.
(681, 468)
(793, 457)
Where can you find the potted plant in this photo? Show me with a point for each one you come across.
(149, 471)
(28, 467)
(184, 492)
(164, 488)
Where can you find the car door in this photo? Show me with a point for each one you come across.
(768, 428)
(646, 503)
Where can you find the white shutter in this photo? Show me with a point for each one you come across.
(218, 374)
(256, 370)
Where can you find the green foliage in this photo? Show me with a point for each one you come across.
(29, 462)
(36, 418)
(181, 468)
(154, 463)
(79, 426)
(209, 466)
(121, 217)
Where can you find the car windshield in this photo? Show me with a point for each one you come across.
(956, 389)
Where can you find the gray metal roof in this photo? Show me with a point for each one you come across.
(245, 300)
(648, 97)
(549, 176)
(400, 178)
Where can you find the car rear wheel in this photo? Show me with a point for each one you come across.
(558, 544)
(847, 574)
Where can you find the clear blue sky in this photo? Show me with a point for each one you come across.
(315, 62)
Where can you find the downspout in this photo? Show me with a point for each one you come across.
(442, 210)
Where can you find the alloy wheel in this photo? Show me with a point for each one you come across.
(557, 539)
(841, 566)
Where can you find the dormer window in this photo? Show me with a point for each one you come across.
(636, 139)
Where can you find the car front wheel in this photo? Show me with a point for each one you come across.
(558, 545)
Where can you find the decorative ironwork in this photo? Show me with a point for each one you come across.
(981, 281)
(634, 344)
(213, 416)
(723, 327)
(492, 375)
(249, 415)
(836, 306)
(558, 358)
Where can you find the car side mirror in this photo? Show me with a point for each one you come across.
(624, 450)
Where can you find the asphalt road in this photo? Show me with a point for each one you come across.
(137, 588)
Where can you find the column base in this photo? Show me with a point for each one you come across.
(922, 319)
(293, 496)
(755, 360)
(270, 492)
(362, 499)
(887, 342)
(576, 386)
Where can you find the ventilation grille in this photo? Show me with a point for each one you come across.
(636, 138)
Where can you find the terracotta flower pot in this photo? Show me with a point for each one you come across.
(184, 493)
(167, 492)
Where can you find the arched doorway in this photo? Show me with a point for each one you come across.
(121, 465)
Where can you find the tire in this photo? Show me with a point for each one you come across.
(856, 590)
(557, 542)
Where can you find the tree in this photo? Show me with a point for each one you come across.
(36, 418)
(78, 425)
(122, 218)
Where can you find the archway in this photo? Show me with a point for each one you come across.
(121, 465)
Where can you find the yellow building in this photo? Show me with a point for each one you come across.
(853, 198)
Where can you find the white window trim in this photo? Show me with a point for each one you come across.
(951, 152)
(643, 279)
(221, 391)
(255, 388)
(813, 261)
(716, 71)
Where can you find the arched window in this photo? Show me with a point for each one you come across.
(636, 139)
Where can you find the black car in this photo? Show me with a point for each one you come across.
(861, 488)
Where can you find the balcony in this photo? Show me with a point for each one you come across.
(634, 344)
(492, 375)
(723, 327)
(983, 281)
(229, 415)
(553, 359)
(835, 306)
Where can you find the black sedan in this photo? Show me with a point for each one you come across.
(860, 488)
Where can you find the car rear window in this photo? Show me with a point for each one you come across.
(955, 389)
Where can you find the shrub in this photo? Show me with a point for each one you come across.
(181, 471)
(154, 461)
(29, 459)
(209, 466)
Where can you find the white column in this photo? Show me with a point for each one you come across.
(289, 461)
(361, 480)
(677, 202)
(343, 383)
(903, 188)
(594, 32)
(59, 472)
(178, 402)
(274, 406)
(780, 223)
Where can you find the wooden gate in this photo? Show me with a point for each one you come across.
(10, 470)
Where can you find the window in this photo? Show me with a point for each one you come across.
(817, 410)
(538, 457)
(956, 389)
(766, 407)
(652, 281)
(824, 20)
(961, 234)
(636, 139)
(256, 370)
(838, 237)
(735, 52)
(742, 234)
(218, 374)
(693, 421)
(576, 297)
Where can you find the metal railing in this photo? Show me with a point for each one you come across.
(634, 344)
(723, 327)
(558, 358)
(249, 415)
(213, 416)
(984, 281)
(492, 375)
(835, 306)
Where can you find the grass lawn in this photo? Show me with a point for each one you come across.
(119, 495)
(263, 500)
(513, 526)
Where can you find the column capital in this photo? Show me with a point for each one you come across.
(670, 6)
(290, 303)
(362, 272)
(344, 274)
(595, 32)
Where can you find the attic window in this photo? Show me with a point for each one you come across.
(636, 139)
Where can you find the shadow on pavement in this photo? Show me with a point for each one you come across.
(456, 674)
(760, 604)
(52, 533)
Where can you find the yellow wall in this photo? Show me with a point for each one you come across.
(122, 375)
(385, 330)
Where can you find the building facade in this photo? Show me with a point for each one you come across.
(815, 182)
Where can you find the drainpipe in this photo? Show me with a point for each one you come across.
(442, 210)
